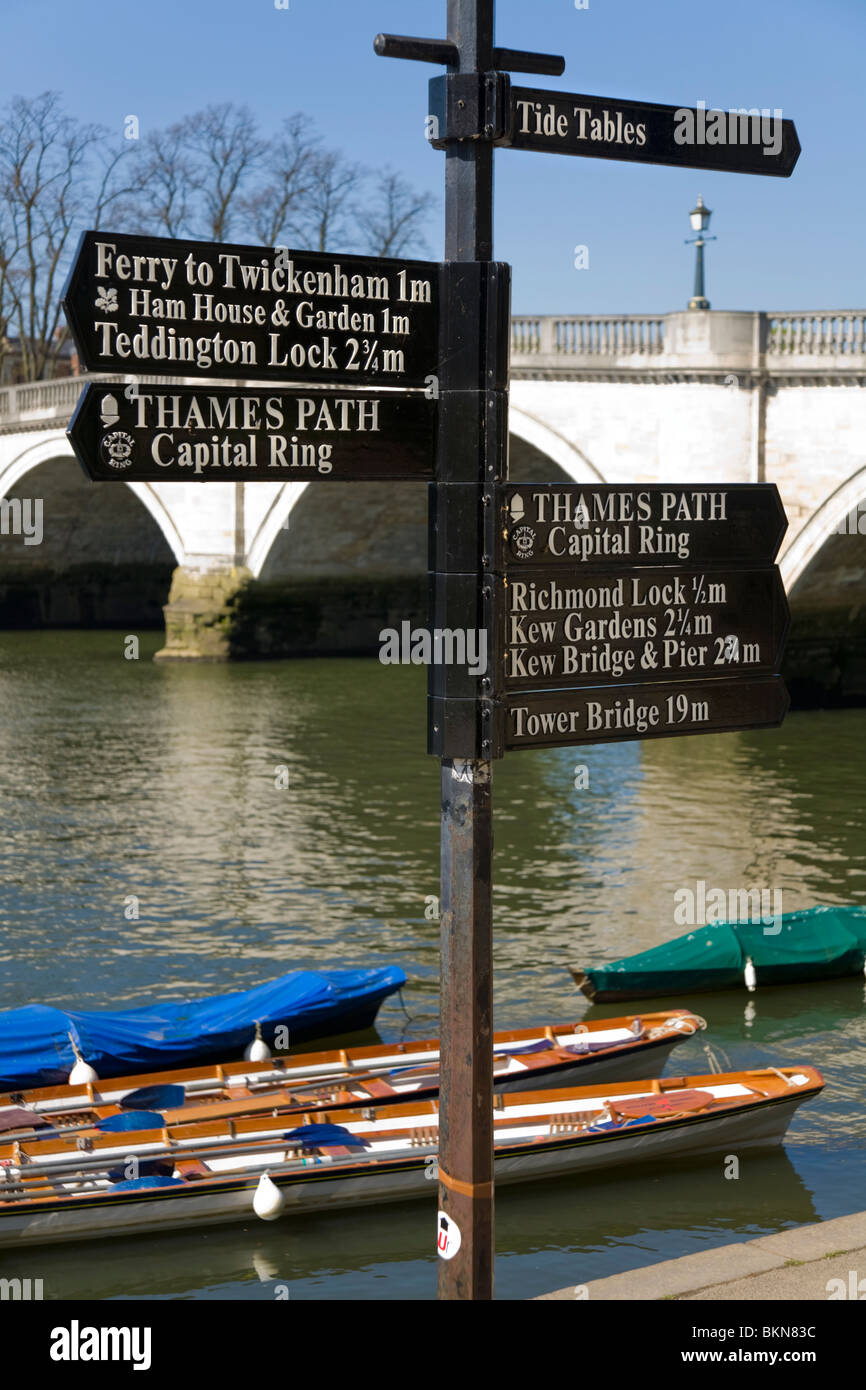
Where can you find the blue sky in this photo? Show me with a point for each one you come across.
(783, 243)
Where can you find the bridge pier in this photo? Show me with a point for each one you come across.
(200, 613)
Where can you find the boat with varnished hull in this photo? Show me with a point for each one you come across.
(566, 1054)
(214, 1172)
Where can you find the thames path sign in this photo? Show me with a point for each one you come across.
(147, 433)
(160, 307)
(605, 586)
(580, 526)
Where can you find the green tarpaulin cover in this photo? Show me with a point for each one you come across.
(816, 943)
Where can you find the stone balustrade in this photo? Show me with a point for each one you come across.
(817, 334)
(708, 342)
(586, 336)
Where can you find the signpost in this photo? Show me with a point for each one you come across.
(473, 109)
(147, 433)
(163, 307)
(608, 714)
(643, 132)
(612, 612)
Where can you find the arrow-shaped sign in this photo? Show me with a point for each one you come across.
(613, 714)
(156, 306)
(141, 432)
(605, 526)
(738, 141)
(638, 627)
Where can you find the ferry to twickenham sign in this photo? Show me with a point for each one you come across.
(159, 306)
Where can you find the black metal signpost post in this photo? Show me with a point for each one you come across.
(465, 114)
(470, 460)
(610, 612)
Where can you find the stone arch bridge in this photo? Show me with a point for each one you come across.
(271, 568)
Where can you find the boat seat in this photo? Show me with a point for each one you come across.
(191, 1168)
(375, 1087)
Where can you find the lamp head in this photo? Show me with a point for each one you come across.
(700, 216)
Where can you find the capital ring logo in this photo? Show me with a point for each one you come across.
(116, 449)
(523, 540)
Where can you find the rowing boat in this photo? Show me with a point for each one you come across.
(611, 1049)
(818, 943)
(40, 1045)
(219, 1171)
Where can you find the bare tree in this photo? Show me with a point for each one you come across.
(56, 175)
(161, 196)
(226, 149)
(391, 220)
(329, 204)
(274, 210)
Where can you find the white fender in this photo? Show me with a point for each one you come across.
(258, 1050)
(82, 1072)
(269, 1200)
(749, 975)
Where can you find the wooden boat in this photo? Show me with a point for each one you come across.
(819, 943)
(41, 1045)
(219, 1170)
(524, 1059)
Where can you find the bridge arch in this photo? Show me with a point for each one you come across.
(79, 555)
(525, 426)
(549, 441)
(823, 523)
(259, 545)
(56, 446)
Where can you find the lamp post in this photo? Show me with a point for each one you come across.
(700, 220)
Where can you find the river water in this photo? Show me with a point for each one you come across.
(122, 778)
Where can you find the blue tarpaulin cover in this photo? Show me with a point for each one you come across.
(35, 1049)
(320, 1136)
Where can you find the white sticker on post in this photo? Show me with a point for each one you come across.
(461, 770)
(448, 1238)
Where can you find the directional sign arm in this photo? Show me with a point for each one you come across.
(608, 714)
(736, 141)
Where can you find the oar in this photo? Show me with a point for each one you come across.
(231, 1145)
(242, 1106)
(27, 1176)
